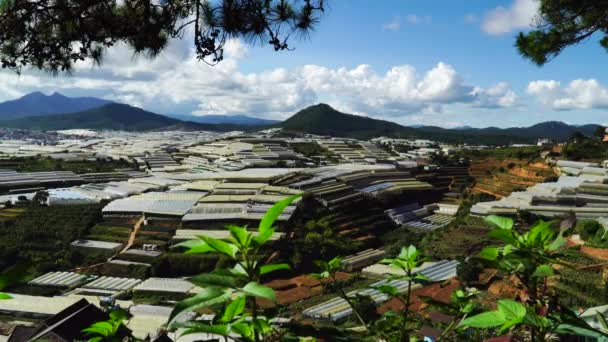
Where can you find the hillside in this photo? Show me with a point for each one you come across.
(112, 117)
(38, 104)
(226, 119)
(322, 119)
(551, 129)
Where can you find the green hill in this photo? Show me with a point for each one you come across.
(322, 119)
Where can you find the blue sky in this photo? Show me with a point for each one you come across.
(437, 62)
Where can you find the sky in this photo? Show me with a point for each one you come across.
(416, 62)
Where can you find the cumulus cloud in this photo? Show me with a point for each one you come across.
(519, 15)
(578, 94)
(497, 96)
(393, 25)
(177, 83)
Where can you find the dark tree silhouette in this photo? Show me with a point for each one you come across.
(52, 35)
(563, 23)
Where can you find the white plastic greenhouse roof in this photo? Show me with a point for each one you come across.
(165, 285)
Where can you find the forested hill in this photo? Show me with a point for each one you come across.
(322, 119)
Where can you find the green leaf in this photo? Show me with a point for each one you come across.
(95, 339)
(258, 290)
(239, 269)
(119, 315)
(241, 236)
(218, 278)
(543, 271)
(500, 221)
(244, 329)
(235, 308)
(273, 267)
(262, 325)
(489, 253)
(504, 235)
(540, 234)
(388, 290)
(511, 309)
(207, 297)
(600, 318)
(99, 328)
(221, 246)
(273, 213)
(262, 237)
(420, 276)
(335, 264)
(193, 327)
(583, 331)
(484, 320)
(408, 253)
(5, 296)
(196, 246)
(558, 243)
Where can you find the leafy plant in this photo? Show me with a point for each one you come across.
(463, 302)
(530, 258)
(234, 292)
(108, 331)
(406, 261)
(329, 271)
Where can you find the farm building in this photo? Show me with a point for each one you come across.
(337, 308)
(12, 180)
(163, 285)
(60, 279)
(191, 234)
(163, 204)
(110, 247)
(586, 196)
(362, 259)
(428, 217)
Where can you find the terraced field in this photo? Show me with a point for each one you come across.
(110, 232)
(501, 177)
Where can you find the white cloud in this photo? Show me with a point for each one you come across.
(411, 19)
(497, 96)
(178, 83)
(578, 94)
(416, 19)
(393, 25)
(520, 15)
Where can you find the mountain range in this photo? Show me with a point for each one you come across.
(324, 120)
(39, 104)
(38, 111)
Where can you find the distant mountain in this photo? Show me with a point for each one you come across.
(555, 130)
(38, 104)
(112, 116)
(322, 119)
(226, 119)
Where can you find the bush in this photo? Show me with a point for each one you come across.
(180, 265)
